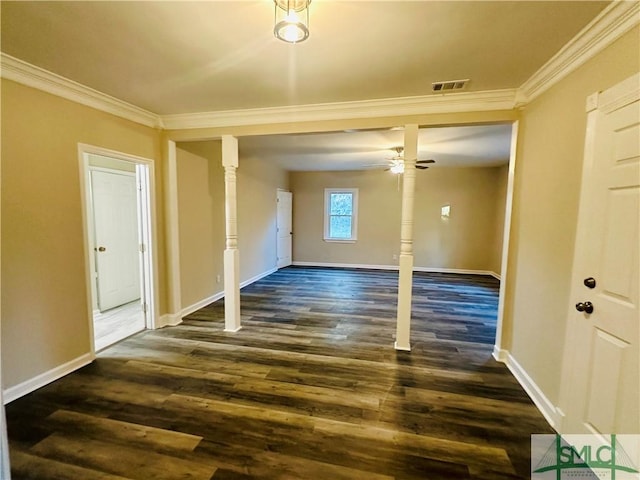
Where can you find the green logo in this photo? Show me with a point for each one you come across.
(582, 456)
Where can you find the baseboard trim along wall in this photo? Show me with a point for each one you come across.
(552, 414)
(395, 267)
(345, 265)
(260, 276)
(171, 320)
(546, 407)
(17, 391)
(500, 354)
(198, 305)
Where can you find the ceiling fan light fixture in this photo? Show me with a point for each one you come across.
(397, 167)
(291, 19)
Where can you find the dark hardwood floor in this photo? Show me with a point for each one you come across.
(310, 388)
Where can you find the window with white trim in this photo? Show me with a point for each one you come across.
(341, 214)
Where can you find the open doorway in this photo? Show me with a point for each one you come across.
(118, 244)
(463, 196)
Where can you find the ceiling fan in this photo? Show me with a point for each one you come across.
(396, 163)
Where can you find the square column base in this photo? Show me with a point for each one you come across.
(401, 349)
(405, 288)
(232, 290)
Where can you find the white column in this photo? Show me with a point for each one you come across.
(405, 278)
(231, 253)
(172, 233)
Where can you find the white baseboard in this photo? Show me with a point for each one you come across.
(395, 267)
(258, 277)
(344, 265)
(546, 407)
(17, 391)
(198, 305)
(500, 354)
(461, 271)
(495, 275)
(169, 320)
(173, 319)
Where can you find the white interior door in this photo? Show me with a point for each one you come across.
(116, 237)
(284, 228)
(601, 391)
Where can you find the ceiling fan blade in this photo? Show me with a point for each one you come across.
(431, 160)
(420, 167)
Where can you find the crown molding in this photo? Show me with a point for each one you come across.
(618, 18)
(613, 22)
(24, 73)
(388, 107)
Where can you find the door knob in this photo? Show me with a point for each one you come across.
(590, 282)
(586, 307)
(102, 249)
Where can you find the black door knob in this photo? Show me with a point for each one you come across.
(590, 282)
(586, 307)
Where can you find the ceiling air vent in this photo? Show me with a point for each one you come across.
(449, 85)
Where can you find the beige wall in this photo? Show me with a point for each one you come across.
(201, 219)
(547, 186)
(45, 321)
(464, 241)
(378, 222)
(258, 183)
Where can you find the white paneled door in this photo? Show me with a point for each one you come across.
(116, 250)
(601, 379)
(284, 225)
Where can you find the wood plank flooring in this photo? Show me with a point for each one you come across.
(310, 388)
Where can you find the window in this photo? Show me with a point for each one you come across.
(340, 214)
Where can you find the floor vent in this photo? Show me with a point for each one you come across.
(449, 86)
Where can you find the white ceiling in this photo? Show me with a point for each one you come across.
(468, 146)
(205, 56)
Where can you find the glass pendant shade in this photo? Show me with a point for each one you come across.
(397, 167)
(291, 20)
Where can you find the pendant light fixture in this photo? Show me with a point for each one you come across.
(291, 20)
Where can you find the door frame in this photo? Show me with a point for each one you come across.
(145, 174)
(502, 342)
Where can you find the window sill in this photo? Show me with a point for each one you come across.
(335, 240)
